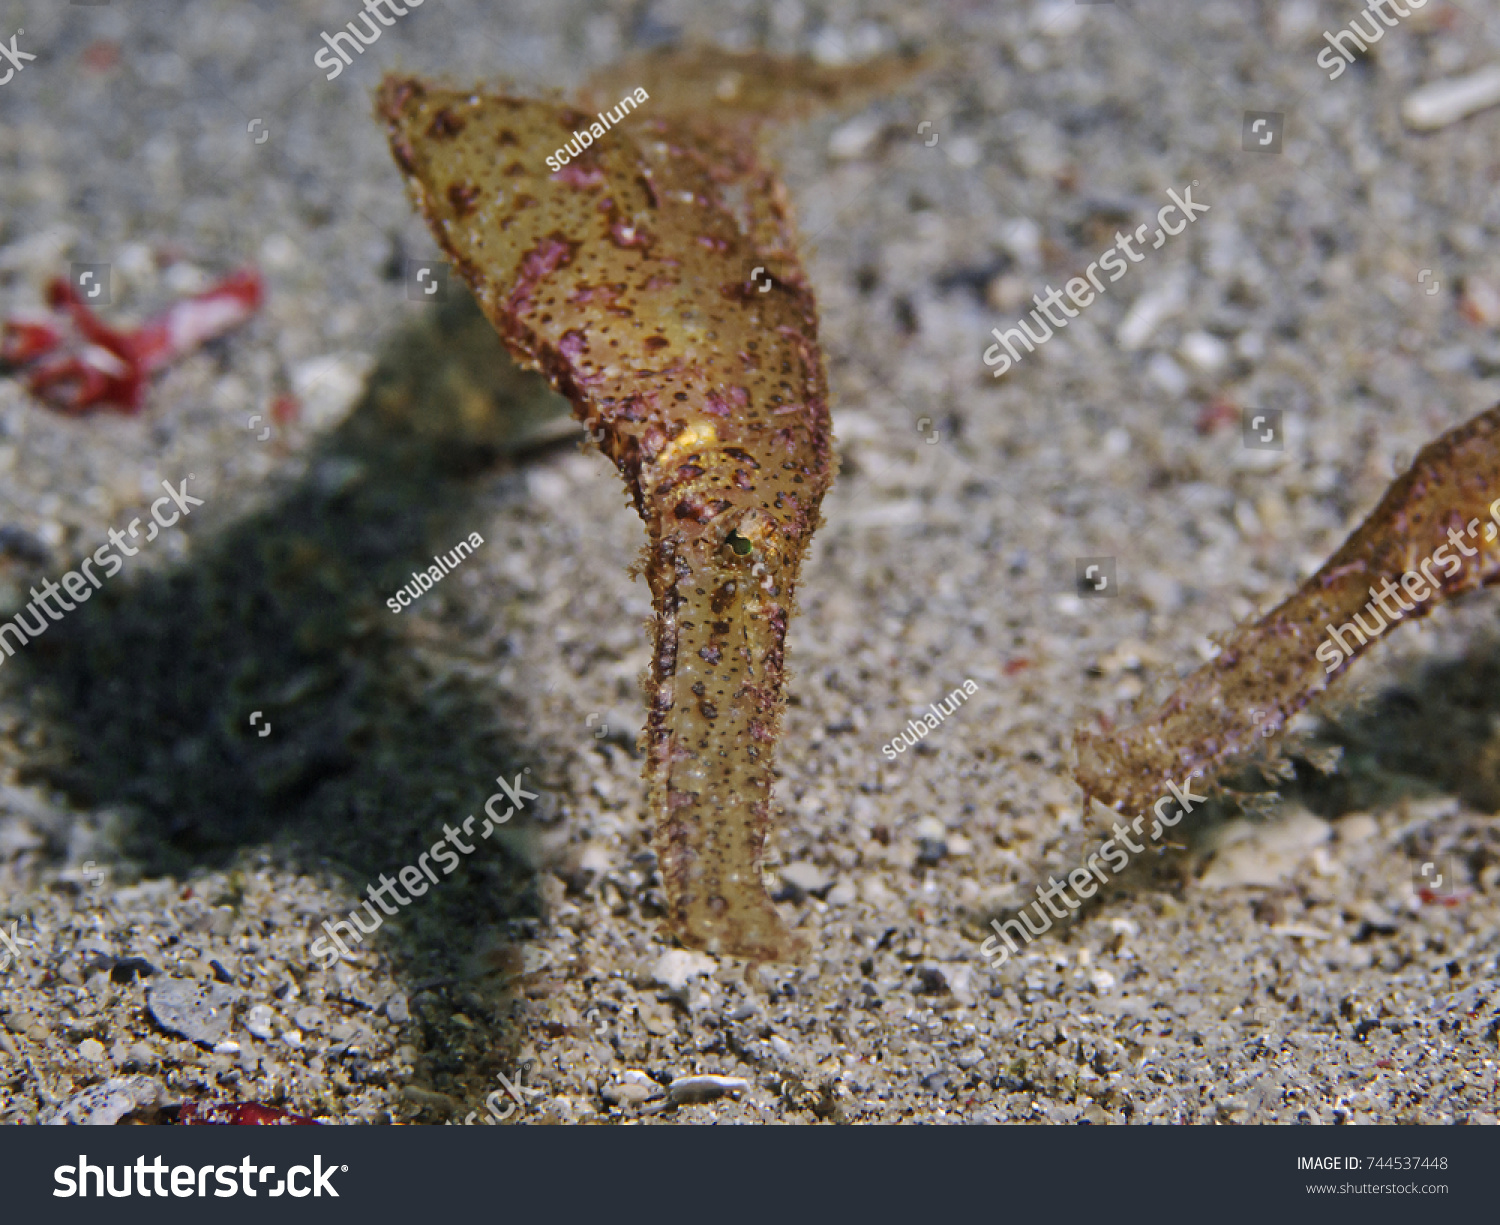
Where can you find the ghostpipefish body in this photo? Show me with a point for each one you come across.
(1271, 667)
(654, 280)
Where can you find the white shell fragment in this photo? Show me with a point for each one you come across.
(687, 1090)
(1444, 102)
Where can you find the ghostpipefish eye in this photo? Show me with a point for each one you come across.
(739, 544)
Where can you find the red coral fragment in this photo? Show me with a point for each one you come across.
(240, 1114)
(285, 409)
(1217, 412)
(76, 361)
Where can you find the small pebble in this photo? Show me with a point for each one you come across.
(1167, 375)
(261, 1022)
(91, 1050)
(128, 968)
(800, 879)
(656, 1019)
(963, 151)
(1148, 312)
(690, 1090)
(1480, 302)
(1204, 353)
(957, 975)
(930, 981)
(396, 1010)
(628, 1095)
(1267, 853)
(931, 851)
(1376, 918)
(198, 1011)
(854, 138)
(106, 1104)
(675, 968)
(633, 1088)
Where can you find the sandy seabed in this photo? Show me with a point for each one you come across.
(1283, 964)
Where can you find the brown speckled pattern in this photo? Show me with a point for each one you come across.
(1268, 669)
(627, 278)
